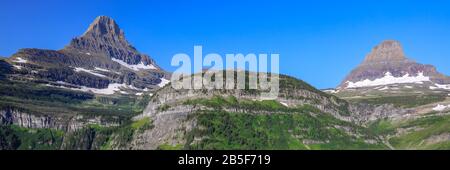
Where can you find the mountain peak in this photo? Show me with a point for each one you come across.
(105, 37)
(387, 63)
(387, 51)
(104, 25)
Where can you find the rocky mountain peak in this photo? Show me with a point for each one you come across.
(104, 37)
(387, 51)
(387, 64)
(104, 26)
(103, 33)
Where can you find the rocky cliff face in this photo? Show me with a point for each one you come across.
(65, 123)
(388, 64)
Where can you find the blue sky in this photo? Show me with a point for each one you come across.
(318, 41)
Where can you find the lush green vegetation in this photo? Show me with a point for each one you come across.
(219, 102)
(142, 125)
(88, 138)
(382, 127)
(223, 130)
(13, 138)
(92, 137)
(426, 128)
(404, 101)
(416, 133)
(170, 147)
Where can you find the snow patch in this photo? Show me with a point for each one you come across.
(139, 94)
(137, 67)
(440, 107)
(384, 88)
(78, 69)
(443, 86)
(284, 104)
(331, 91)
(18, 67)
(101, 69)
(20, 60)
(409, 87)
(389, 79)
(163, 82)
(111, 89)
(88, 53)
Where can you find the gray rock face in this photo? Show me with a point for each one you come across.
(169, 128)
(365, 113)
(65, 123)
(390, 57)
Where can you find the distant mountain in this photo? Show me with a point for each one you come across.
(387, 65)
(100, 61)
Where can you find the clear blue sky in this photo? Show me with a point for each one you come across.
(318, 41)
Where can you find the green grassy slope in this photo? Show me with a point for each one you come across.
(429, 132)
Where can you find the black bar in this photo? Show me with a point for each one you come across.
(278, 159)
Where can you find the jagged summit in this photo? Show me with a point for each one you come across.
(105, 30)
(387, 51)
(105, 37)
(104, 25)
